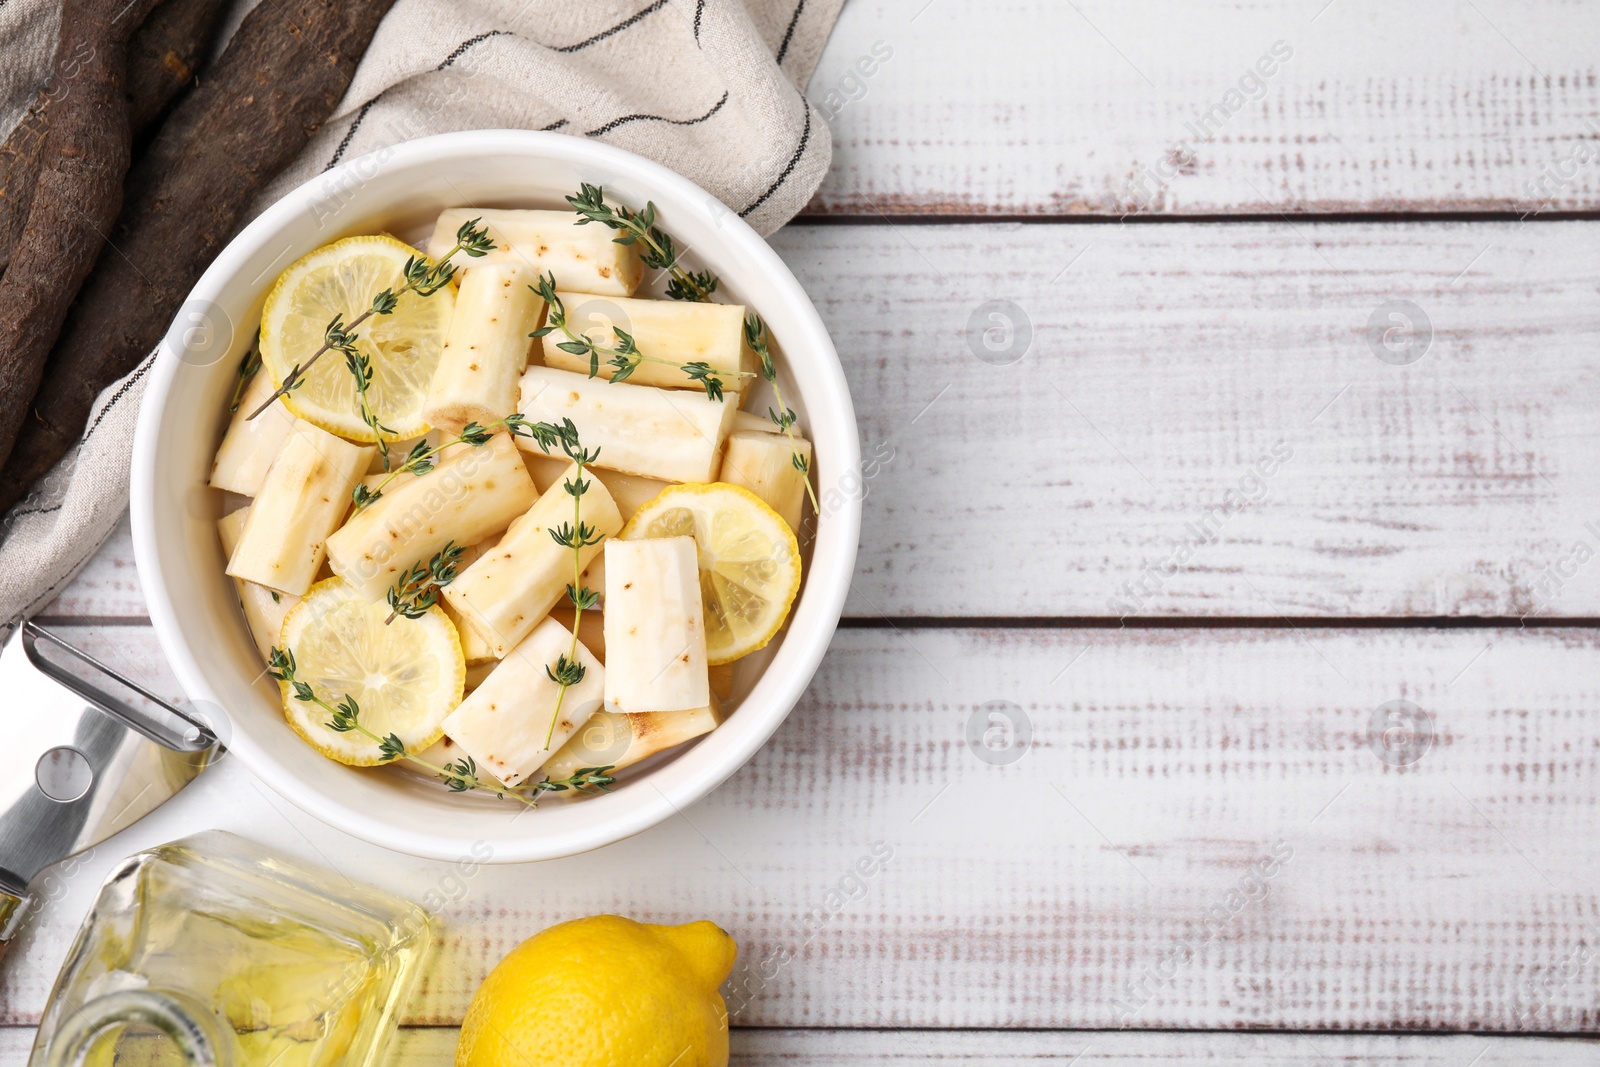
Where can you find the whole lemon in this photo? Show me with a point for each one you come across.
(604, 992)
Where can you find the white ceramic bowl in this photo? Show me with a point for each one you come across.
(193, 605)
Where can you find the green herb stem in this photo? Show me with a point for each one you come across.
(577, 535)
(417, 589)
(660, 252)
(625, 356)
(361, 369)
(757, 337)
(420, 460)
(421, 278)
(577, 609)
(346, 718)
(583, 780)
(799, 461)
(248, 366)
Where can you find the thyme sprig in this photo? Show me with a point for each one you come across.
(339, 338)
(423, 456)
(576, 535)
(757, 337)
(657, 250)
(247, 370)
(625, 356)
(462, 774)
(417, 590)
(421, 277)
(582, 780)
(345, 717)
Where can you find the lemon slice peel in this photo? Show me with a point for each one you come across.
(748, 556)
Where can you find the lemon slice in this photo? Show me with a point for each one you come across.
(749, 560)
(405, 677)
(404, 346)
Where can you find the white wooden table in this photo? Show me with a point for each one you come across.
(1193, 524)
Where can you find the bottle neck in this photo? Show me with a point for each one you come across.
(191, 1030)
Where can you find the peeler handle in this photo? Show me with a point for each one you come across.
(116, 695)
(88, 753)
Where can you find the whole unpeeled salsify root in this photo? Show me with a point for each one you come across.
(280, 77)
(77, 195)
(163, 57)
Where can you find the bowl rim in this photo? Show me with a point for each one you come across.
(820, 608)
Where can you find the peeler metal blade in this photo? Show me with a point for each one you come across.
(89, 752)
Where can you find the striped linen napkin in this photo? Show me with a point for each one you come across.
(710, 88)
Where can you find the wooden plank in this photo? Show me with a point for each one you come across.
(1206, 830)
(1211, 107)
(986, 1048)
(1099, 1048)
(108, 586)
(991, 1048)
(1164, 364)
(1115, 468)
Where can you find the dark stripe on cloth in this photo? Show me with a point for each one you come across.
(349, 135)
(805, 137)
(448, 61)
(461, 48)
(618, 28)
(614, 123)
(788, 35)
(120, 393)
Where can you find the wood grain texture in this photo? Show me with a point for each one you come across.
(845, 1048)
(1114, 468)
(1101, 108)
(1205, 828)
(432, 1047)
(1164, 364)
(107, 587)
(1118, 872)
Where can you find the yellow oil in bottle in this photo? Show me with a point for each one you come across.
(291, 967)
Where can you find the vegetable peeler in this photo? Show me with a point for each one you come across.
(89, 752)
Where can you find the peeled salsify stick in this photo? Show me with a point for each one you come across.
(264, 608)
(250, 445)
(749, 420)
(465, 499)
(486, 348)
(381, 466)
(671, 434)
(592, 629)
(302, 499)
(614, 740)
(584, 258)
(594, 577)
(474, 649)
(545, 469)
(655, 626)
(385, 482)
(504, 723)
(764, 464)
(674, 330)
(506, 592)
(630, 491)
